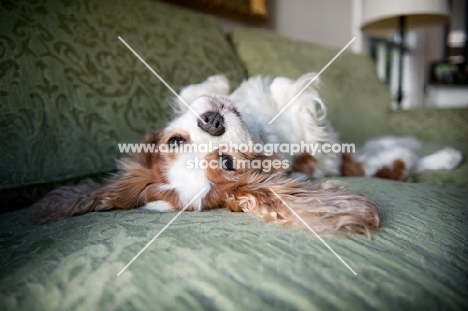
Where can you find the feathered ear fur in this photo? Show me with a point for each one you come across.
(137, 183)
(326, 206)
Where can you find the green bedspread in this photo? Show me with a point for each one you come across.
(225, 261)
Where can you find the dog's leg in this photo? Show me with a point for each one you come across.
(310, 124)
(306, 165)
(159, 206)
(445, 159)
(350, 167)
(217, 85)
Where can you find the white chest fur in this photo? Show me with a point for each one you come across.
(187, 176)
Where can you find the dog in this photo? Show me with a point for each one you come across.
(163, 181)
(260, 99)
(397, 158)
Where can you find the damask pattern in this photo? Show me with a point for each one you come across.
(70, 90)
(217, 260)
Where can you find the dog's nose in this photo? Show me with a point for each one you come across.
(214, 123)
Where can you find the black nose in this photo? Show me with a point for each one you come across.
(214, 123)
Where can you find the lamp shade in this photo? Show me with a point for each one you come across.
(382, 16)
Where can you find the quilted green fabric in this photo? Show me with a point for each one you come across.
(218, 260)
(357, 103)
(70, 90)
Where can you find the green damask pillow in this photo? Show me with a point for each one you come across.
(356, 101)
(70, 90)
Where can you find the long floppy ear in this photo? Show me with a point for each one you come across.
(126, 190)
(326, 207)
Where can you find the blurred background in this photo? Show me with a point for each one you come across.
(433, 68)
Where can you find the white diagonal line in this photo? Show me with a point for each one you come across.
(312, 80)
(313, 231)
(160, 232)
(162, 80)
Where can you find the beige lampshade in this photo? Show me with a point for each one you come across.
(382, 16)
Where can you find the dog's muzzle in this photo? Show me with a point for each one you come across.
(214, 123)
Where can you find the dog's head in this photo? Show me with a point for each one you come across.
(209, 122)
(173, 172)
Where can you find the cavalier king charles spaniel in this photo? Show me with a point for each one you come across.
(277, 183)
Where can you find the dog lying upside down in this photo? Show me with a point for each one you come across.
(248, 180)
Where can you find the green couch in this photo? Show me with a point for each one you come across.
(70, 91)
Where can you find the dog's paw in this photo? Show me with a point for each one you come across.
(279, 88)
(220, 83)
(213, 86)
(159, 206)
(445, 159)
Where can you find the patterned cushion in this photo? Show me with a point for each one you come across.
(70, 90)
(218, 260)
(356, 101)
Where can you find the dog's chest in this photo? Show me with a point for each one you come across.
(187, 176)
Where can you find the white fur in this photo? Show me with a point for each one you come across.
(159, 206)
(259, 100)
(188, 182)
(246, 113)
(236, 130)
(445, 159)
(382, 152)
(214, 85)
(379, 153)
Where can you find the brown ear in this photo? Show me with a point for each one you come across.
(148, 158)
(126, 190)
(326, 206)
(66, 201)
(152, 137)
